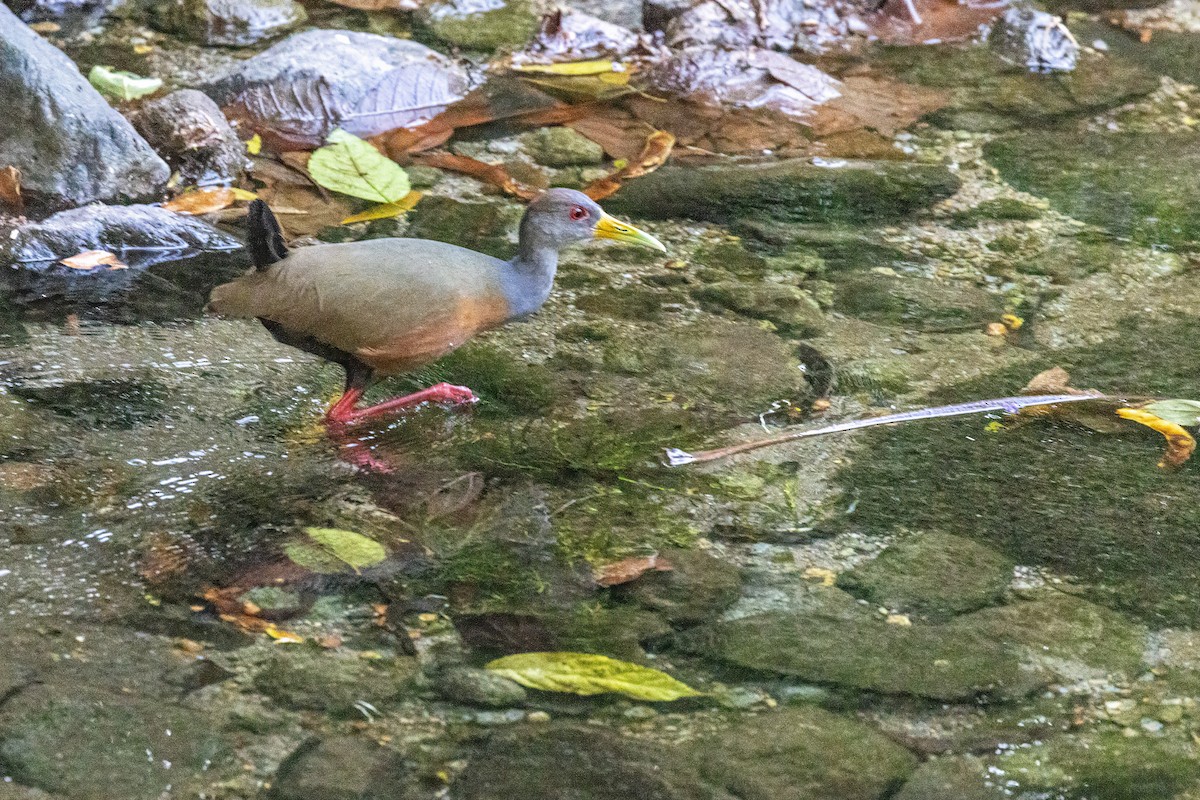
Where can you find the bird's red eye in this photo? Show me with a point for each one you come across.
(578, 212)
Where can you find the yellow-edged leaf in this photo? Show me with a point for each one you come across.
(352, 166)
(242, 194)
(331, 550)
(588, 674)
(1180, 443)
(594, 67)
(385, 210)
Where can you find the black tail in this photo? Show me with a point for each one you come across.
(265, 239)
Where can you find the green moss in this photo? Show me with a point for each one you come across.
(1092, 506)
(507, 385)
(788, 307)
(733, 257)
(575, 276)
(119, 404)
(489, 571)
(456, 22)
(482, 226)
(917, 303)
(632, 303)
(584, 332)
(997, 209)
(610, 523)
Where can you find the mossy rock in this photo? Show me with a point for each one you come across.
(88, 744)
(1065, 634)
(933, 575)
(587, 762)
(917, 303)
(732, 257)
(1103, 766)
(877, 378)
(988, 93)
(561, 147)
(507, 385)
(120, 404)
(787, 191)
(1000, 209)
(488, 227)
(228, 22)
(20, 427)
(478, 687)
(460, 23)
(1093, 506)
(696, 589)
(1111, 180)
(345, 768)
(862, 652)
(631, 303)
(1069, 258)
(801, 753)
(325, 682)
(789, 308)
(952, 778)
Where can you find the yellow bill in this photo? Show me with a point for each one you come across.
(609, 228)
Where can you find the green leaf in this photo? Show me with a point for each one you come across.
(351, 166)
(329, 550)
(122, 85)
(1185, 413)
(586, 674)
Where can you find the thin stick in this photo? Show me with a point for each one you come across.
(1009, 405)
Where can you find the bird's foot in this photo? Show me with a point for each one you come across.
(343, 411)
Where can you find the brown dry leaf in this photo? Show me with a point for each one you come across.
(244, 616)
(1180, 443)
(1055, 380)
(202, 201)
(880, 105)
(629, 569)
(654, 154)
(10, 190)
(940, 20)
(494, 174)
(91, 259)
(305, 211)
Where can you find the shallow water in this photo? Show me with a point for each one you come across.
(1031, 628)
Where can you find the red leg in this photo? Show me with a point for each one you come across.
(343, 410)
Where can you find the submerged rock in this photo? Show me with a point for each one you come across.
(312, 82)
(1034, 39)
(934, 575)
(188, 129)
(483, 25)
(478, 687)
(71, 146)
(788, 307)
(89, 744)
(1112, 180)
(802, 753)
(484, 226)
(858, 651)
(788, 191)
(562, 147)
(122, 230)
(334, 685)
(916, 303)
(551, 762)
(228, 22)
(697, 588)
(345, 768)
(957, 777)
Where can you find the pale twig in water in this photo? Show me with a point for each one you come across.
(1009, 405)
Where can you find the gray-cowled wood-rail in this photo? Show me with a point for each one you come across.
(385, 306)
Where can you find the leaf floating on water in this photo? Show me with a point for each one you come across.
(202, 201)
(331, 550)
(594, 67)
(385, 210)
(1180, 443)
(1185, 413)
(404, 98)
(351, 166)
(629, 569)
(91, 259)
(10, 190)
(588, 674)
(122, 85)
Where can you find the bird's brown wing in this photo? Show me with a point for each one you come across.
(393, 303)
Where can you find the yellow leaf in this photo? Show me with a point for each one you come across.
(588, 674)
(201, 201)
(254, 145)
(90, 259)
(242, 194)
(595, 67)
(281, 636)
(1180, 444)
(385, 210)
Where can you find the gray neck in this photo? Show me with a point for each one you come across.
(528, 278)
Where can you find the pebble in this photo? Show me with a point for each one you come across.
(539, 717)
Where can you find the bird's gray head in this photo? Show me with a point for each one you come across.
(559, 217)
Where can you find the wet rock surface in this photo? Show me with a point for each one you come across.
(696, 588)
(960, 777)
(794, 191)
(131, 230)
(190, 132)
(346, 768)
(932, 575)
(484, 25)
(71, 146)
(228, 22)
(312, 82)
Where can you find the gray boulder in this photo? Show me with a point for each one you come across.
(193, 135)
(71, 146)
